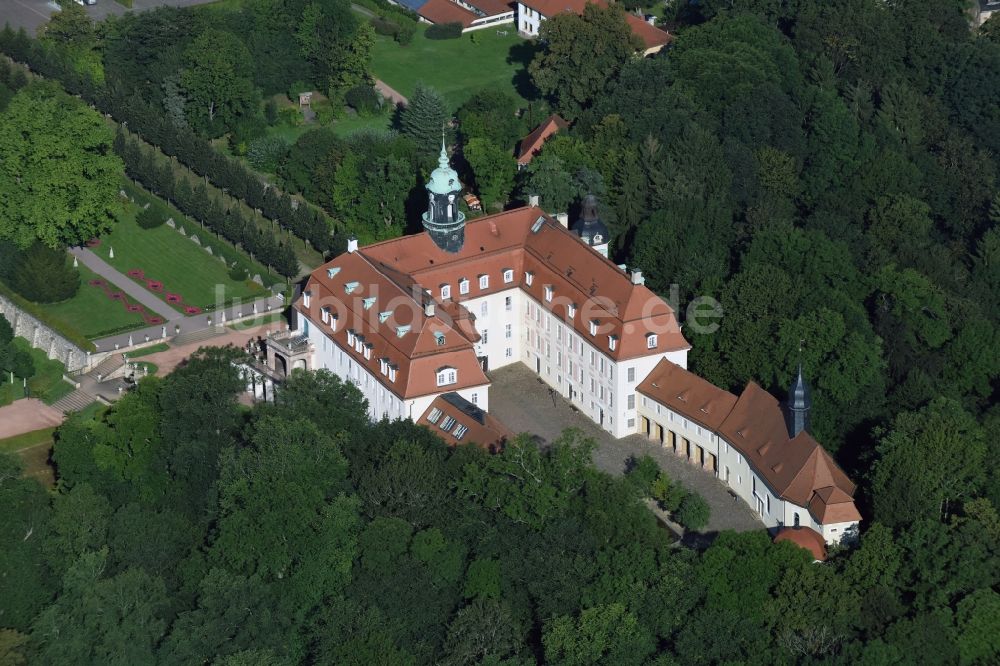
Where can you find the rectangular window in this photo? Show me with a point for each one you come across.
(508, 303)
(445, 292)
(611, 399)
(631, 400)
(463, 286)
(593, 327)
(508, 275)
(486, 337)
(484, 308)
(528, 277)
(447, 423)
(602, 365)
(475, 398)
(631, 374)
(548, 293)
(460, 432)
(593, 358)
(507, 333)
(571, 310)
(434, 416)
(484, 281)
(306, 298)
(509, 353)
(631, 423)
(651, 341)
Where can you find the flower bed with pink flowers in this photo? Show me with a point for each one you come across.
(157, 287)
(148, 317)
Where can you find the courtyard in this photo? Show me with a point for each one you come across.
(526, 404)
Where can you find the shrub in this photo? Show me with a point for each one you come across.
(271, 112)
(150, 217)
(693, 513)
(238, 274)
(291, 116)
(296, 88)
(669, 494)
(642, 473)
(364, 99)
(444, 31)
(384, 26)
(246, 131)
(406, 32)
(44, 275)
(266, 152)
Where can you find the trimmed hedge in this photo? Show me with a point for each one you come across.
(444, 31)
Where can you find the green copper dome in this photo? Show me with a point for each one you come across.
(444, 179)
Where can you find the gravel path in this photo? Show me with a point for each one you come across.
(27, 415)
(89, 259)
(525, 404)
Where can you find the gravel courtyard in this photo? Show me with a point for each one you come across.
(525, 404)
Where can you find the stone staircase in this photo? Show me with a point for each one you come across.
(74, 402)
(107, 367)
(199, 335)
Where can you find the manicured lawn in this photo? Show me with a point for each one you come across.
(152, 349)
(164, 255)
(351, 124)
(47, 384)
(33, 448)
(90, 312)
(457, 68)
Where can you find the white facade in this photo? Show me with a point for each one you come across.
(382, 402)
(716, 456)
(528, 20)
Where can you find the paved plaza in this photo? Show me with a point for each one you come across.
(27, 415)
(525, 404)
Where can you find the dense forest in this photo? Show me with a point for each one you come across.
(189, 530)
(827, 171)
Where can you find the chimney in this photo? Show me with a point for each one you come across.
(533, 200)
(429, 309)
(637, 277)
(563, 220)
(352, 245)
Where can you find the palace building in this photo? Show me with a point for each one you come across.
(417, 323)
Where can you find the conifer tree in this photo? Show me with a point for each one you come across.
(424, 118)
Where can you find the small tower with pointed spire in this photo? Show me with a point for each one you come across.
(444, 222)
(590, 228)
(798, 405)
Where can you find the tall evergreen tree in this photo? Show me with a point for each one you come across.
(424, 119)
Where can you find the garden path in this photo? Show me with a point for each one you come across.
(27, 415)
(390, 93)
(137, 293)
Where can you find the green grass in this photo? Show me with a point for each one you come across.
(165, 255)
(146, 351)
(258, 321)
(90, 312)
(23, 441)
(351, 124)
(457, 68)
(47, 384)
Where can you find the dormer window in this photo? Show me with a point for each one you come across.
(368, 302)
(333, 322)
(508, 275)
(484, 281)
(358, 341)
(332, 271)
(548, 293)
(324, 314)
(306, 298)
(593, 326)
(402, 330)
(384, 316)
(463, 286)
(349, 287)
(439, 338)
(445, 292)
(368, 350)
(392, 373)
(651, 341)
(612, 342)
(571, 310)
(383, 365)
(447, 376)
(529, 277)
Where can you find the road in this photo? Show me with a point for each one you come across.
(30, 14)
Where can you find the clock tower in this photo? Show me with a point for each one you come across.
(444, 222)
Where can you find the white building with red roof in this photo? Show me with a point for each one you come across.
(531, 14)
(409, 319)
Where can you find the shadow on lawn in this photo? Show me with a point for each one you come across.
(522, 54)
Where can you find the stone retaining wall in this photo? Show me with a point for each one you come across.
(44, 338)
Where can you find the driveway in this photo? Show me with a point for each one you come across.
(30, 14)
(525, 404)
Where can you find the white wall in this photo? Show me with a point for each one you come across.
(528, 20)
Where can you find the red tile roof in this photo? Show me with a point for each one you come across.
(579, 276)
(798, 470)
(650, 35)
(804, 538)
(492, 7)
(480, 427)
(445, 11)
(532, 143)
